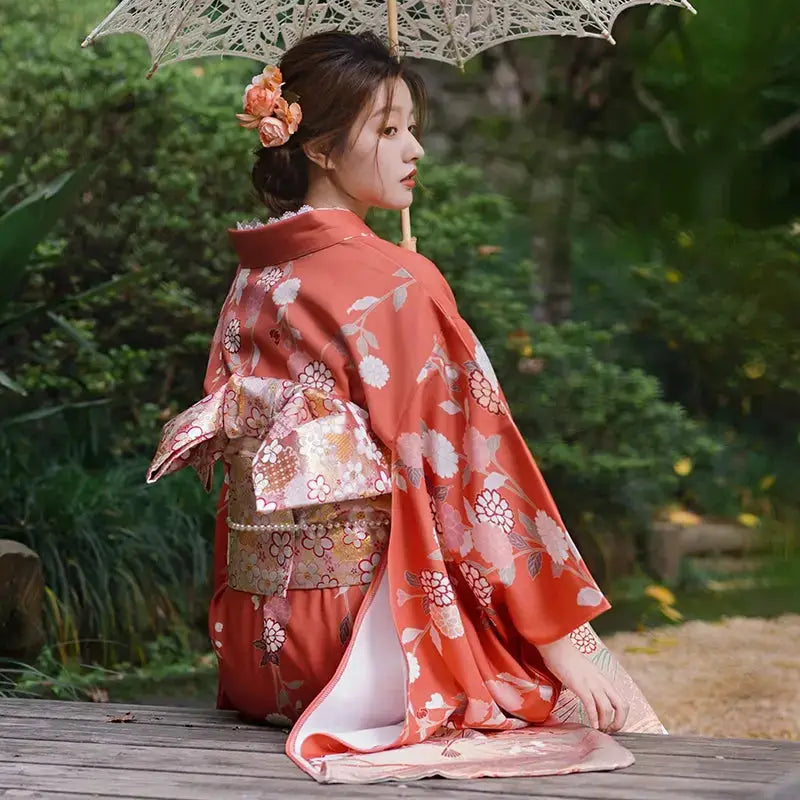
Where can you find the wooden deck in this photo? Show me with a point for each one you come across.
(73, 750)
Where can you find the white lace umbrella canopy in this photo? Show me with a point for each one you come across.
(444, 30)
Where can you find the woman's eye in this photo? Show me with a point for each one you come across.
(390, 131)
(414, 129)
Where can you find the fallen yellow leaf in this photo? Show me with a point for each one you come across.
(748, 520)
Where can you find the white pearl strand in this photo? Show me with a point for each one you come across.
(304, 526)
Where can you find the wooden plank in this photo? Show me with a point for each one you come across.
(185, 786)
(89, 712)
(245, 738)
(701, 747)
(143, 756)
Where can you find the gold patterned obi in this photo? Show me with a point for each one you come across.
(309, 489)
(316, 547)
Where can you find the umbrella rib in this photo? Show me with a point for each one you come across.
(190, 6)
(451, 29)
(588, 9)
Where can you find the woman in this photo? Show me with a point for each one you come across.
(390, 567)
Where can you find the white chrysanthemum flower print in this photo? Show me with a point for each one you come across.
(437, 587)
(270, 452)
(485, 364)
(232, 339)
(374, 371)
(441, 454)
(481, 588)
(553, 536)
(318, 490)
(286, 292)
(491, 506)
(269, 277)
(274, 635)
(413, 667)
(318, 375)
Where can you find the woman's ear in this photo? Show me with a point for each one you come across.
(317, 155)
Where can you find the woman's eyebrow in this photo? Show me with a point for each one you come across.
(387, 110)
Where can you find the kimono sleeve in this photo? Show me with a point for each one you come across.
(462, 471)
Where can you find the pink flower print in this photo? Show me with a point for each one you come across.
(437, 587)
(182, 438)
(232, 339)
(480, 587)
(317, 375)
(493, 545)
(492, 507)
(317, 540)
(383, 483)
(484, 394)
(453, 530)
(367, 567)
(584, 639)
(318, 490)
(409, 448)
(257, 422)
(281, 547)
(553, 536)
(447, 619)
(307, 573)
(269, 277)
(477, 450)
(354, 536)
(327, 582)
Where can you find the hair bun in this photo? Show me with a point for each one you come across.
(281, 176)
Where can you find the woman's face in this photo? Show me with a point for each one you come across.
(379, 167)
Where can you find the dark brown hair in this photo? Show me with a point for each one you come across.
(335, 76)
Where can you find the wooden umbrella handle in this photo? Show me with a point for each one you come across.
(409, 241)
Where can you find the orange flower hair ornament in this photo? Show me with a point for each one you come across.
(266, 110)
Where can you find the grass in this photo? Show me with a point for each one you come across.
(123, 561)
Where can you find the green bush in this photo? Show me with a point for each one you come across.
(123, 561)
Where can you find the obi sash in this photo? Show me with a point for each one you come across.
(309, 487)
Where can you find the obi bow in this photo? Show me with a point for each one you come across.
(314, 447)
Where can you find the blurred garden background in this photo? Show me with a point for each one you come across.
(621, 226)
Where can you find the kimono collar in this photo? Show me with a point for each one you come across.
(295, 237)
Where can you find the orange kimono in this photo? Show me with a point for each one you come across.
(387, 553)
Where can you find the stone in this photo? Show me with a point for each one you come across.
(21, 601)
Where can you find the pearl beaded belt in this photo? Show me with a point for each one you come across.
(268, 559)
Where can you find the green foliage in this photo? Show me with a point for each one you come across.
(122, 560)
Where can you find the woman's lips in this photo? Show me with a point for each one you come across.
(409, 180)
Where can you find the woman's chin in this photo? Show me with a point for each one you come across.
(396, 203)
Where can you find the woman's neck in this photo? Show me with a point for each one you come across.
(324, 193)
